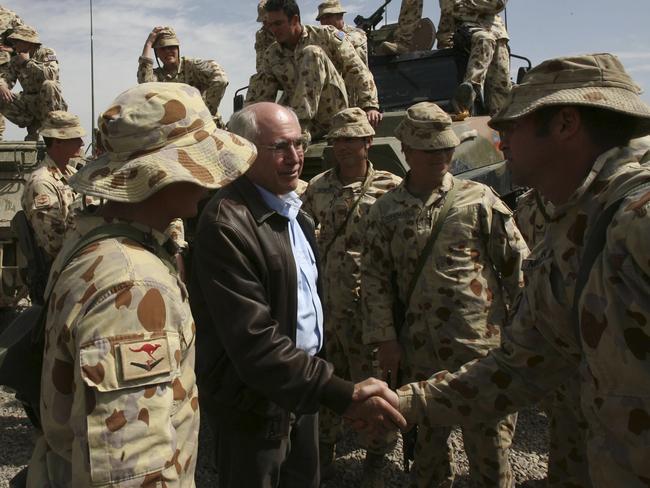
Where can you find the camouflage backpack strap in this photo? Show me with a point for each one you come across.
(341, 228)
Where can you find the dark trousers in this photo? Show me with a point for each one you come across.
(247, 460)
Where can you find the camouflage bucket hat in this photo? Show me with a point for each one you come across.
(426, 127)
(594, 80)
(351, 122)
(329, 7)
(166, 37)
(156, 134)
(260, 11)
(25, 33)
(62, 125)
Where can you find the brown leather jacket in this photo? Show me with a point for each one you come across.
(244, 301)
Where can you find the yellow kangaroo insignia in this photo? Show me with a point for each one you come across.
(144, 358)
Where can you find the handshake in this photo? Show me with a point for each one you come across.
(374, 409)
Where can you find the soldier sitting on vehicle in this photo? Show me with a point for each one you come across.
(47, 196)
(263, 37)
(315, 67)
(330, 12)
(203, 74)
(36, 68)
(9, 20)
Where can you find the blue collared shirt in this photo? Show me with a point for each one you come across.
(309, 330)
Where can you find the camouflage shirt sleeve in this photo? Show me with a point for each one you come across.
(46, 214)
(377, 290)
(8, 75)
(43, 66)
(356, 74)
(145, 70)
(262, 42)
(210, 78)
(263, 85)
(489, 7)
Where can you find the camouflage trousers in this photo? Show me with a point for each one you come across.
(410, 14)
(488, 68)
(567, 457)
(31, 109)
(320, 92)
(486, 445)
(353, 361)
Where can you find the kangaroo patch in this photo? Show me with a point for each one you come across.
(141, 359)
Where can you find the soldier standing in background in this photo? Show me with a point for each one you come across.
(36, 68)
(566, 131)
(331, 13)
(9, 20)
(47, 197)
(339, 200)
(119, 404)
(315, 67)
(455, 296)
(203, 74)
(263, 37)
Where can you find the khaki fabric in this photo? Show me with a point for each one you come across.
(119, 403)
(329, 7)
(540, 348)
(351, 122)
(426, 127)
(593, 80)
(156, 134)
(315, 78)
(205, 75)
(62, 125)
(263, 40)
(25, 33)
(166, 37)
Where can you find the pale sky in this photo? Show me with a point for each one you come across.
(224, 31)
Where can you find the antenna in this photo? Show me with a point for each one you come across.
(92, 77)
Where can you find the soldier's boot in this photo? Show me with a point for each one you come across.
(387, 48)
(373, 470)
(326, 456)
(464, 97)
(32, 132)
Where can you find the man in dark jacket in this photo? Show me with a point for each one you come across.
(260, 321)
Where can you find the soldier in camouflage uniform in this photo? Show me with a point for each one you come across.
(339, 200)
(573, 117)
(47, 198)
(263, 37)
(9, 20)
(459, 302)
(331, 13)
(119, 403)
(36, 68)
(315, 67)
(203, 74)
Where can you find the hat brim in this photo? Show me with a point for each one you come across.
(64, 133)
(357, 131)
(620, 100)
(328, 11)
(425, 139)
(213, 160)
(18, 37)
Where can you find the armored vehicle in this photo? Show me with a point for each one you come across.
(17, 160)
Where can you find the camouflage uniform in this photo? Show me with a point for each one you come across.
(410, 13)
(46, 200)
(567, 457)
(328, 201)
(263, 40)
(542, 345)
(488, 67)
(315, 78)
(459, 303)
(203, 74)
(8, 21)
(119, 403)
(39, 79)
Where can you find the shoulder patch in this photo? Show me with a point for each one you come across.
(340, 35)
(51, 57)
(141, 359)
(42, 201)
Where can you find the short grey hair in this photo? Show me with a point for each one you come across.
(244, 122)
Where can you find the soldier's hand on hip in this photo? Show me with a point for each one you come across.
(389, 355)
(374, 117)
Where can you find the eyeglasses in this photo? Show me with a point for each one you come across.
(284, 147)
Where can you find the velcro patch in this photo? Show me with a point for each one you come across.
(141, 359)
(340, 35)
(41, 201)
(51, 57)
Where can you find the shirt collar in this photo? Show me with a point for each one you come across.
(55, 171)
(287, 205)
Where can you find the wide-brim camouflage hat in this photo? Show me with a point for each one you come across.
(260, 11)
(166, 37)
(329, 7)
(350, 122)
(25, 33)
(156, 134)
(60, 124)
(426, 127)
(593, 80)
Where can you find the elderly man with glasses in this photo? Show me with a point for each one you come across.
(255, 289)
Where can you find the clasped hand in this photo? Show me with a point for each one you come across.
(374, 408)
